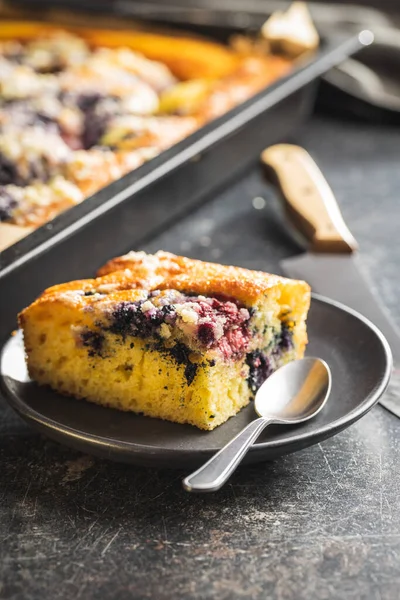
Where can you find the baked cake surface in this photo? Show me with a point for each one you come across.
(80, 108)
(166, 336)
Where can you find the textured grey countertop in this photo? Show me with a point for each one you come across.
(322, 523)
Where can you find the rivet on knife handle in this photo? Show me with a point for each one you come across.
(309, 201)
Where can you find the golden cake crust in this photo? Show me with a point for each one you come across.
(196, 276)
(163, 270)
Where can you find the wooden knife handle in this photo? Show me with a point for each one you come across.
(309, 201)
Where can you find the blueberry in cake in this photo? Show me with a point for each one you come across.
(166, 336)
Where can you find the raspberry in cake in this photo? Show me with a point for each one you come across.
(166, 336)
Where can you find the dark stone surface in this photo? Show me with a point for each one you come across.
(322, 523)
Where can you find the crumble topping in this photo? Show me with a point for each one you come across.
(29, 205)
(114, 105)
(59, 100)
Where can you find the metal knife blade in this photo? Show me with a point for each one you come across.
(338, 277)
(332, 268)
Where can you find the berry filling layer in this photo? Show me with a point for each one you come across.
(202, 323)
(182, 325)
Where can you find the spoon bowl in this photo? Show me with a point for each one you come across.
(293, 394)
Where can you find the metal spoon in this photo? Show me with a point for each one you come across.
(293, 394)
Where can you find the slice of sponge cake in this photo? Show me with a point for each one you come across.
(166, 336)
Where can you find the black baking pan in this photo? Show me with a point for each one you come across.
(120, 216)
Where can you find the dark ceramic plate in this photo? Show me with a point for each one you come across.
(355, 350)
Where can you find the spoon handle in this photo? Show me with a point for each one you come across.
(215, 472)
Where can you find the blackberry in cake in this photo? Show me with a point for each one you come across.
(166, 336)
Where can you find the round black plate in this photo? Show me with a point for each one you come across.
(357, 353)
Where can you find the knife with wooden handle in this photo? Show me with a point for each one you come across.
(330, 263)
